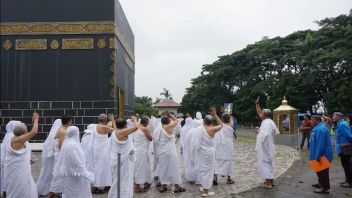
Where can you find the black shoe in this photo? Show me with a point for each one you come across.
(321, 191)
(215, 182)
(316, 185)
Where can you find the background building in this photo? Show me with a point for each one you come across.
(65, 57)
(167, 105)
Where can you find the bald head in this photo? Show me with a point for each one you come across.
(20, 129)
(208, 120)
(103, 118)
(266, 113)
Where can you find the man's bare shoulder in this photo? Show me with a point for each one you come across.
(61, 131)
(103, 129)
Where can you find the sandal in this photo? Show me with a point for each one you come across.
(230, 181)
(215, 182)
(179, 190)
(140, 190)
(158, 184)
(98, 191)
(147, 185)
(163, 190)
(56, 196)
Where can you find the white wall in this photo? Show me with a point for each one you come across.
(171, 109)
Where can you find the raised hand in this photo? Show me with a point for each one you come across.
(133, 118)
(35, 117)
(111, 117)
(257, 101)
(213, 111)
(167, 113)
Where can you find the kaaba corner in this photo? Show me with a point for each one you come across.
(58, 57)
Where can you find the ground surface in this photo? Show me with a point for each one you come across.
(245, 172)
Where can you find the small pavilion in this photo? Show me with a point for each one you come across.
(286, 118)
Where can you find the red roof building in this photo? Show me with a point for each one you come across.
(169, 105)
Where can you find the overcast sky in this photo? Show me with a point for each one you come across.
(174, 38)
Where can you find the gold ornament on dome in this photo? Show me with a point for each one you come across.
(7, 44)
(54, 44)
(101, 43)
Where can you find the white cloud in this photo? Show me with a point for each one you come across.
(173, 39)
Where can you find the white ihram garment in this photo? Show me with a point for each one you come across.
(204, 154)
(187, 127)
(56, 183)
(126, 149)
(9, 134)
(87, 146)
(265, 148)
(224, 153)
(188, 160)
(71, 167)
(102, 169)
(168, 169)
(142, 171)
(17, 169)
(47, 168)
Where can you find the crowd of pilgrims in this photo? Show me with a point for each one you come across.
(113, 156)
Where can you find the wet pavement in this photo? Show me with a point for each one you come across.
(245, 172)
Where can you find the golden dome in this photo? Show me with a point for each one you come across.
(285, 107)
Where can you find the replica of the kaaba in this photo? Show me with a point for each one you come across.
(59, 57)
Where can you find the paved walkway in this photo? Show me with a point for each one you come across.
(245, 172)
(297, 181)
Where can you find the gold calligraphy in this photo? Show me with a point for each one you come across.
(31, 44)
(83, 43)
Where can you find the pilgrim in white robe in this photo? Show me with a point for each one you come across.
(87, 146)
(265, 148)
(127, 151)
(101, 160)
(154, 146)
(198, 121)
(203, 148)
(142, 173)
(224, 153)
(96, 150)
(188, 160)
(17, 170)
(72, 168)
(47, 168)
(56, 182)
(9, 134)
(167, 166)
(187, 127)
(152, 123)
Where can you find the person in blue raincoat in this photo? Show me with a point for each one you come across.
(343, 138)
(320, 145)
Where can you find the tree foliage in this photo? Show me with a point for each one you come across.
(311, 68)
(166, 93)
(144, 106)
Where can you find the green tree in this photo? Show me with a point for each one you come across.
(144, 106)
(166, 93)
(310, 68)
